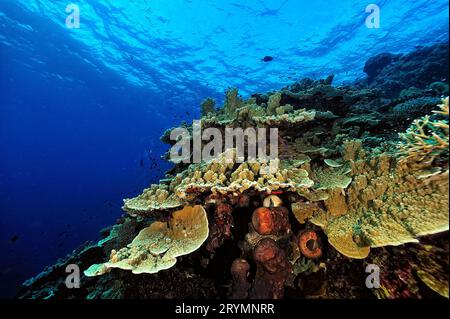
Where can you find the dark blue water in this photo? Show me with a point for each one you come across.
(82, 110)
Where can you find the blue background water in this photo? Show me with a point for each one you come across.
(80, 108)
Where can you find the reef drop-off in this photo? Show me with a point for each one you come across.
(362, 180)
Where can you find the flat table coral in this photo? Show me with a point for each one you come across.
(221, 175)
(391, 205)
(157, 246)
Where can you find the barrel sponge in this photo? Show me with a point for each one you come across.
(157, 246)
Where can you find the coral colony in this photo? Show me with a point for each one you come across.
(355, 183)
(361, 198)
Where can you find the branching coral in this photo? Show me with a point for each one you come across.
(427, 138)
(232, 102)
(208, 106)
(282, 119)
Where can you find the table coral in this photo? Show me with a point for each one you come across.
(221, 175)
(388, 204)
(157, 246)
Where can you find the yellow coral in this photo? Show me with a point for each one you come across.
(388, 204)
(222, 175)
(157, 246)
(426, 138)
(273, 103)
(304, 210)
(157, 197)
(295, 117)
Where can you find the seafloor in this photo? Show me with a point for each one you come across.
(361, 189)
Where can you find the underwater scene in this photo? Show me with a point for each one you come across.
(222, 150)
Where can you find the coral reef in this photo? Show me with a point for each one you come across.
(393, 73)
(346, 190)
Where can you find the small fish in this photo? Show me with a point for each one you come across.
(14, 238)
(141, 163)
(62, 234)
(267, 58)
